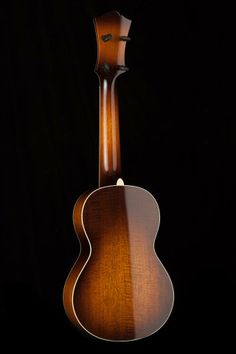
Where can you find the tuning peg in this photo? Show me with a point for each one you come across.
(106, 68)
(122, 67)
(106, 37)
(125, 38)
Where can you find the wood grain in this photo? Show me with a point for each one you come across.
(123, 292)
(118, 289)
(111, 54)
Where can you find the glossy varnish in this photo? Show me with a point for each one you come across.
(110, 64)
(118, 289)
(123, 292)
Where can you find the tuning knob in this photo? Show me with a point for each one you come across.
(106, 37)
(106, 68)
(122, 67)
(125, 38)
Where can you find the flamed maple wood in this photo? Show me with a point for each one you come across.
(118, 289)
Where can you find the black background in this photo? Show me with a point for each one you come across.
(178, 141)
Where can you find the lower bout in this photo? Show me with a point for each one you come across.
(69, 289)
(122, 311)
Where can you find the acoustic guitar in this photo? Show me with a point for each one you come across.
(117, 290)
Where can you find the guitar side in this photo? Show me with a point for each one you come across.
(68, 290)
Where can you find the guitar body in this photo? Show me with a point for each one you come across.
(118, 289)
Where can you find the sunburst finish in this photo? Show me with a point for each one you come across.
(118, 290)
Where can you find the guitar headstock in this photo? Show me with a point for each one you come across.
(112, 34)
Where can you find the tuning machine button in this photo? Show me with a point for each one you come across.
(106, 68)
(122, 67)
(106, 37)
(125, 38)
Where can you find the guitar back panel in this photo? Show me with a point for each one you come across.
(123, 291)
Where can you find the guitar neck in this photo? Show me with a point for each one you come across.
(112, 34)
(109, 134)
